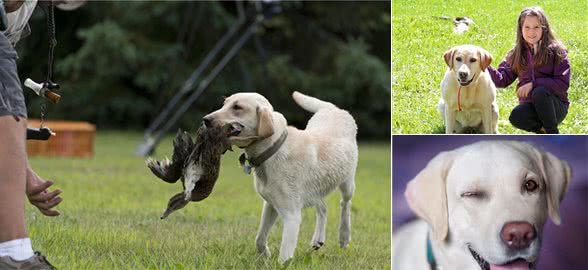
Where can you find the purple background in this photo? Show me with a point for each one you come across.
(564, 246)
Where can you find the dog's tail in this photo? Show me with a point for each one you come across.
(311, 104)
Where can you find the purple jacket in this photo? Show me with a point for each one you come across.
(556, 78)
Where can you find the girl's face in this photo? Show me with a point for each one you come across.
(532, 30)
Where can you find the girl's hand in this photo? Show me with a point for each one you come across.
(39, 195)
(525, 90)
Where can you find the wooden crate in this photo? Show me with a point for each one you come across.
(72, 139)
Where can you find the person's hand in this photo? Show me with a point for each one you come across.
(39, 195)
(524, 90)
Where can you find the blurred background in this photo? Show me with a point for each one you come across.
(120, 63)
(564, 246)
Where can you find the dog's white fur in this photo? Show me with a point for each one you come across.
(310, 164)
(478, 98)
(499, 169)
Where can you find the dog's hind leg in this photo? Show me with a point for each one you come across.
(347, 189)
(318, 239)
(291, 219)
(268, 218)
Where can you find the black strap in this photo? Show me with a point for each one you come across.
(3, 18)
(257, 161)
(52, 40)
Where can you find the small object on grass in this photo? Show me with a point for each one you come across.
(196, 163)
(462, 24)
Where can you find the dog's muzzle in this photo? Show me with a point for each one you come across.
(466, 83)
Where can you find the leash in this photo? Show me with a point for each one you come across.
(257, 161)
(459, 99)
(459, 93)
(45, 89)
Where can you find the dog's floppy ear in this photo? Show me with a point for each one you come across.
(557, 175)
(485, 59)
(449, 57)
(265, 125)
(427, 196)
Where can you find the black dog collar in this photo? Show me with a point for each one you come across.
(257, 161)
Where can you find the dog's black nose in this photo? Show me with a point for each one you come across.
(462, 75)
(207, 121)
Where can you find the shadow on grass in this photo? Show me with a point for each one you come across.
(469, 130)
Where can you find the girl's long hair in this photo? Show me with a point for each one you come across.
(548, 45)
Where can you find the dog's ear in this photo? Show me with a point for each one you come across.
(449, 57)
(557, 175)
(427, 196)
(485, 59)
(265, 125)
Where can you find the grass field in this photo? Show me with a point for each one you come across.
(420, 38)
(112, 203)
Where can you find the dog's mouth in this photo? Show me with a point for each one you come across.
(233, 129)
(516, 264)
(466, 83)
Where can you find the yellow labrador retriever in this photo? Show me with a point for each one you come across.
(468, 93)
(483, 206)
(294, 168)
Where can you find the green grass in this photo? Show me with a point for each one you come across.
(112, 203)
(420, 38)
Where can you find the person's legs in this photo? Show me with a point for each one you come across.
(14, 241)
(12, 191)
(550, 110)
(524, 117)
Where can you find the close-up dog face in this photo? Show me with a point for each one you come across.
(492, 200)
(250, 111)
(466, 62)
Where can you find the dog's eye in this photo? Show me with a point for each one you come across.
(531, 185)
(237, 107)
(473, 194)
(473, 60)
(458, 59)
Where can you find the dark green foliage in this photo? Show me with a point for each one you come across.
(119, 63)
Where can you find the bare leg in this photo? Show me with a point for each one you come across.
(12, 178)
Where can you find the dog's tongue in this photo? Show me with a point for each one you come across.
(519, 264)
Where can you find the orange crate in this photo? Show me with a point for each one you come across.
(72, 139)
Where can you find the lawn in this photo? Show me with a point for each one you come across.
(112, 203)
(420, 37)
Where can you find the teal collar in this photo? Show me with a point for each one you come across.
(430, 255)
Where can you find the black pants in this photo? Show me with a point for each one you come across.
(546, 111)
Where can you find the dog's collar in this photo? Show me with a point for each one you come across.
(430, 256)
(265, 155)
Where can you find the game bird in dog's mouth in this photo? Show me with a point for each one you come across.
(196, 163)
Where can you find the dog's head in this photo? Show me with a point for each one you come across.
(490, 200)
(466, 62)
(251, 116)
